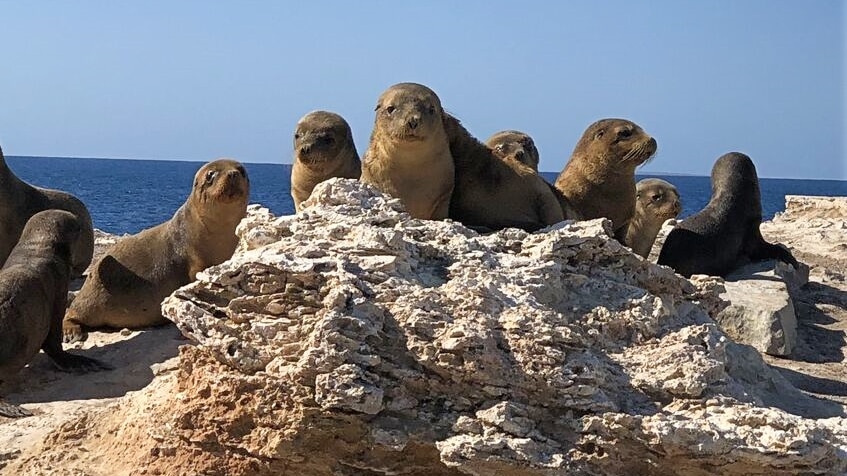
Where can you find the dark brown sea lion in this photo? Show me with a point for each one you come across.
(725, 234)
(33, 292)
(599, 178)
(408, 156)
(494, 192)
(323, 149)
(20, 200)
(129, 282)
(656, 201)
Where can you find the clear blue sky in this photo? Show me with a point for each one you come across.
(194, 80)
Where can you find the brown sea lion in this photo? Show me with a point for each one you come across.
(20, 200)
(599, 178)
(323, 149)
(516, 146)
(656, 201)
(128, 284)
(725, 234)
(408, 156)
(33, 291)
(494, 192)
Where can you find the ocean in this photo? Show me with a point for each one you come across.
(127, 196)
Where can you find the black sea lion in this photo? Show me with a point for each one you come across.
(494, 192)
(33, 292)
(128, 284)
(20, 200)
(408, 156)
(599, 178)
(656, 201)
(725, 234)
(323, 149)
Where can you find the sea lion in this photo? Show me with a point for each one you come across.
(323, 149)
(408, 156)
(494, 192)
(656, 201)
(599, 178)
(20, 200)
(33, 291)
(725, 234)
(515, 145)
(127, 285)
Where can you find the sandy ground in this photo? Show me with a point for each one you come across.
(817, 367)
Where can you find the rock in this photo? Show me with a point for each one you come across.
(352, 339)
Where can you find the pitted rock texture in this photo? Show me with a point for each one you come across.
(352, 339)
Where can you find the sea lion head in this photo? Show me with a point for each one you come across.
(408, 113)
(658, 198)
(321, 137)
(222, 181)
(734, 175)
(514, 145)
(54, 231)
(617, 144)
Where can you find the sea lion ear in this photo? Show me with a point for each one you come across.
(598, 134)
(377, 107)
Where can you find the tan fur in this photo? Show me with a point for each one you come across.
(128, 284)
(494, 192)
(599, 178)
(20, 200)
(323, 149)
(408, 156)
(656, 201)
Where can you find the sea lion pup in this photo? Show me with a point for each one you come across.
(515, 145)
(408, 156)
(725, 234)
(128, 284)
(656, 201)
(599, 178)
(33, 292)
(20, 200)
(323, 149)
(493, 192)
(518, 146)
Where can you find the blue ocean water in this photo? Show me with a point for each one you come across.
(127, 196)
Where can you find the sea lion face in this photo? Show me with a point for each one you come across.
(618, 141)
(514, 145)
(408, 112)
(658, 198)
(221, 181)
(320, 137)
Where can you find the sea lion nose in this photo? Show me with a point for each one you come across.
(413, 122)
(519, 154)
(305, 149)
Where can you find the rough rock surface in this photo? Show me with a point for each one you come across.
(352, 339)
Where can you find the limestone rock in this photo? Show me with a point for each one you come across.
(352, 339)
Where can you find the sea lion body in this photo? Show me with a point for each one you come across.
(323, 149)
(19, 201)
(33, 292)
(725, 234)
(656, 201)
(408, 156)
(494, 192)
(516, 146)
(599, 178)
(128, 284)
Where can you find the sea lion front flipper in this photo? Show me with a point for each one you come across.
(13, 411)
(52, 346)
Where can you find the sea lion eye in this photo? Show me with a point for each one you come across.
(657, 197)
(210, 175)
(499, 147)
(390, 109)
(625, 133)
(296, 135)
